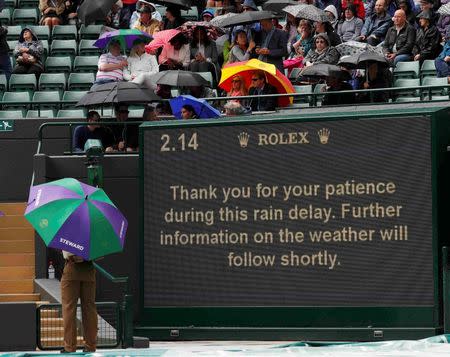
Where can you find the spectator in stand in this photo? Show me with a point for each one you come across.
(140, 63)
(291, 30)
(359, 6)
(443, 22)
(271, 44)
(188, 112)
(5, 63)
(327, 28)
(427, 5)
(323, 4)
(336, 84)
(410, 15)
(238, 89)
(129, 6)
(261, 87)
(207, 15)
(375, 27)
(391, 7)
(135, 16)
(428, 39)
(399, 40)
(377, 76)
(113, 18)
(111, 65)
(70, 14)
(173, 18)
(332, 15)
(51, 12)
(164, 92)
(303, 43)
(322, 52)
(119, 131)
(350, 28)
(241, 50)
(203, 55)
(233, 108)
(198, 91)
(252, 30)
(175, 55)
(442, 62)
(28, 53)
(92, 131)
(149, 113)
(145, 23)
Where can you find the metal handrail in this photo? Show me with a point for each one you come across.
(112, 278)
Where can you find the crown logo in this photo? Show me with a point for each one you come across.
(43, 223)
(324, 135)
(243, 139)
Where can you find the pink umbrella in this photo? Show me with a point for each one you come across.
(161, 38)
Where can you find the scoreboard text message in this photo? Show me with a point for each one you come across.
(330, 213)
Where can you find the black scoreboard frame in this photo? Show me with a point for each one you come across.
(354, 323)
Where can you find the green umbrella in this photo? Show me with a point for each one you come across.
(77, 218)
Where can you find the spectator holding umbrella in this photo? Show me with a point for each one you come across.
(111, 65)
(261, 87)
(188, 112)
(428, 40)
(377, 76)
(442, 62)
(203, 54)
(176, 54)
(335, 83)
(399, 41)
(322, 53)
(350, 28)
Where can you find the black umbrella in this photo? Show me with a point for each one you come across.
(117, 92)
(325, 70)
(93, 10)
(181, 79)
(362, 60)
(184, 4)
(247, 17)
(277, 5)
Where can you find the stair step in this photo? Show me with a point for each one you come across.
(14, 221)
(49, 332)
(58, 341)
(52, 322)
(17, 272)
(42, 302)
(17, 259)
(16, 246)
(19, 297)
(14, 208)
(16, 233)
(24, 286)
(49, 313)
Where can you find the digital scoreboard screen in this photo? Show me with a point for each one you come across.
(325, 213)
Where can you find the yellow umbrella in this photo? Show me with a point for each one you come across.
(246, 69)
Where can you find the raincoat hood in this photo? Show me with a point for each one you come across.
(146, 3)
(332, 9)
(324, 36)
(21, 39)
(251, 4)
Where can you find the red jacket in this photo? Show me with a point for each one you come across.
(129, 2)
(360, 12)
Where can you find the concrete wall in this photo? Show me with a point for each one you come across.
(121, 183)
(17, 326)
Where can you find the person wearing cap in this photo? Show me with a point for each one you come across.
(428, 39)
(322, 52)
(350, 28)
(140, 63)
(399, 41)
(207, 15)
(135, 16)
(428, 5)
(111, 65)
(145, 23)
(271, 44)
(251, 29)
(376, 25)
(442, 62)
(261, 87)
(173, 18)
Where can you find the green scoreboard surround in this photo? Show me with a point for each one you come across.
(316, 225)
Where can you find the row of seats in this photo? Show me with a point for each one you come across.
(60, 32)
(13, 4)
(47, 81)
(61, 113)
(65, 48)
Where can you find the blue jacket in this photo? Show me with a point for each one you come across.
(445, 51)
(369, 27)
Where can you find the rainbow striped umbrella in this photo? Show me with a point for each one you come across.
(77, 218)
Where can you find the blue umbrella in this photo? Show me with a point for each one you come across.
(202, 108)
